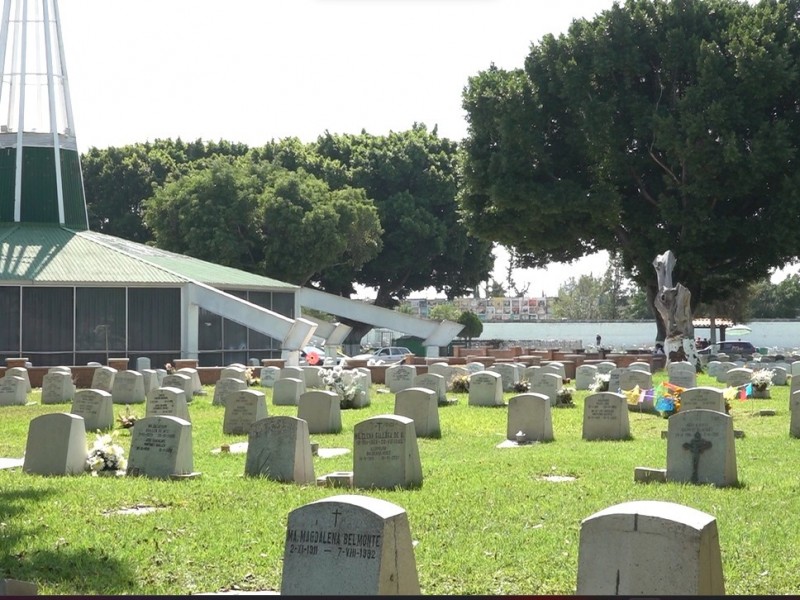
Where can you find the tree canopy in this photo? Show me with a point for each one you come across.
(658, 125)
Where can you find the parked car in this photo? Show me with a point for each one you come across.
(729, 347)
(388, 355)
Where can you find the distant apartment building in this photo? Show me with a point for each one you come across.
(490, 309)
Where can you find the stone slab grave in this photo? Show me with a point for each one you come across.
(143, 363)
(386, 454)
(486, 389)
(605, 417)
(421, 405)
(321, 410)
(226, 385)
(349, 545)
(365, 385)
(312, 375)
(780, 375)
(614, 377)
(606, 367)
(530, 414)
(584, 376)
(287, 391)
(623, 549)
(56, 445)
(96, 407)
(738, 376)
(57, 388)
(14, 587)
(436, 383)
(709, 398)
(548, 384)
(21, 372)
(294, 373)
(233, 372)
(713, 368)
(530, 372)
(557, 368)
(700, 448)
(161, 448)
(103, 379)
(150, 379)
(182, 381)
(722, 371)
(128, 388)
(268, 376)
(641, 366)
(167, 401)
(242, 409)
(630, 378)
(12, 391)
(474, 367)
(509, 375)
(443, 369)
(794, 412)
(11, 463)
(197, 387)
(400, 377)
(682, 374)
(279, 448)
(356, 377)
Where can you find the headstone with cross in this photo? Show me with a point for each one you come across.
(700, 448)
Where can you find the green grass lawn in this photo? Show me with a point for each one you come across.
(486, 520)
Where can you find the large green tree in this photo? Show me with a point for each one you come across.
(656, 125)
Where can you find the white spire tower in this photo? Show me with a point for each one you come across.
(40, 174)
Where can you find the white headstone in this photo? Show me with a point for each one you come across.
(103, 378)
(225, 386)
(96, 407)
(530, 414)
(713, 368)
(474, 367)
(557, 368)
(421, 405)
(682, 374)
(615, 544)
(400, 377)
(708, 398)
(508, 373)
(443, 369)
(242, 409)
(287, 392)
(365, 384)
(779, 375)
(56, 445)
(738, 376)
(584, 376)
(12, 391)
(321, 410)
(293, 373)
(231, 372)
(385, 453)
(530, 372)
(349, 545)
(605, 417)
(606, 367)
(614, 378)
(20, 372)
(630, 378)
(128, 388)
(150, 380)
(433, 382)
(547, 384)
(161, 447)
(142, 364)
(486, 389)
(722, 371)
(182, 381)
(167, 401)
(313, 377)
(700, 448)
(269, 375)
(794, 414)
(641, 366)
(279, 448)
(194, 376)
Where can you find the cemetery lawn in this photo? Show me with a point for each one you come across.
(486, 520)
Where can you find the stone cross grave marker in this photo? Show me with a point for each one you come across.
(531, 414)
(486, 389)
(614, 541)
(400, 377)
(161, 447)
(349, 545)
(321, 410)
(421, 405)
(167, 401)
(700, 448)
(385, 453)
(96, 407)
(242, 409)
(605, 417)
(56, 445)
(279, 448)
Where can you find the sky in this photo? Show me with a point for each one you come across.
(251, 71)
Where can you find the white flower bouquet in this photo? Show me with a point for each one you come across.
(345, 384)
(106, 455)
(762, 378)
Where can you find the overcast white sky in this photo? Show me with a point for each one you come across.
(254, 70)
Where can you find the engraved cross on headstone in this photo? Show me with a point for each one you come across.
(697, 446)
(336, 514)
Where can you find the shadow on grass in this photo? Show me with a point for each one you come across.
(87, 571)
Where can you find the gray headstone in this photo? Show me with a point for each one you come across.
(400, 377)
(293, 373)
(279, 448)
(385, 453)
(547, 384)
(530, 414)
(313, 377)
(96, 407)
(615, 542)
(584, 376)
(700, 448)
(475, 367)
(56, 445)
(557, 368)
(713, 368)
(606, 367)
(14, 587)
(605, 417)
(150, 380)
(349, 545)
(182, 381)
(12, 391)
(794, 414)
(738, 376)
(142, 363)
(421, 405)
(20, 372)
(708, 398)
(230, 372)
(269, 375)
(167, 401)
(508, 373)
(443, 369)
(722, 371)
(128, 388)
(161, 447)
(486, 389)
(287, 392)
(630, 378)
(103, 379)
(614, 379)
(435, 383)
(641, 366)
(682, 374)
(780, 375)
(225, 386)
(242, 409)
(195, 378)
(321, 410)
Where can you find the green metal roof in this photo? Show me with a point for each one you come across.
(50, 254)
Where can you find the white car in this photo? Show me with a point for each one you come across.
(388, 356)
